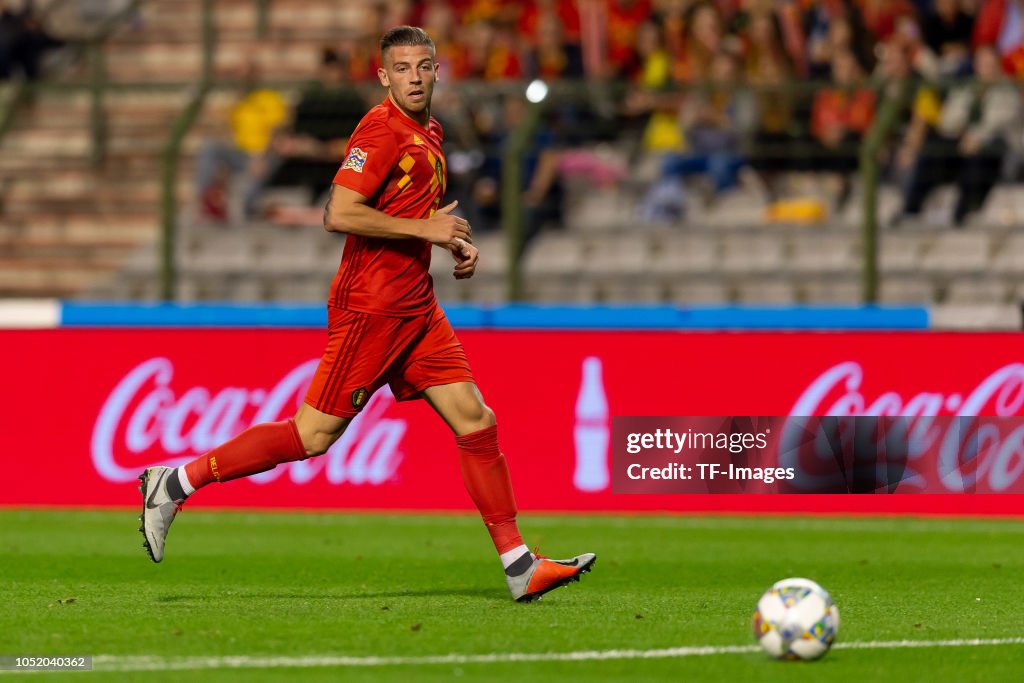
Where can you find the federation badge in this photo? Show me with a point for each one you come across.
(355, 160)
(359, 397)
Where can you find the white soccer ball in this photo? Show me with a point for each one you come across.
(796, 619)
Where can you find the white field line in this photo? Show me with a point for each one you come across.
(146, 663)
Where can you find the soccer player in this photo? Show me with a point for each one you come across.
(385, 326)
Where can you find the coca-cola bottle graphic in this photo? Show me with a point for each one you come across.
(591, 431)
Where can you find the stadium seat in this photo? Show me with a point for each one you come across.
(765, 290)
(707, 289)
(904, 289)
(833, 252)
(483, 289)
(626, 253)
(753, 252)
(976, 316)
(1008, 258)
(560, 290)
(831, 289)
(957, 252)
(553, 254)
(978, 290)
(217, 252)
(630, 290)
(901, 251)
(676, 253)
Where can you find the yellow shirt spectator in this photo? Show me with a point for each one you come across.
(256, 117)
(927, 106)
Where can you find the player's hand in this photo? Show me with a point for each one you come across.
(444, 229)
(466, 257)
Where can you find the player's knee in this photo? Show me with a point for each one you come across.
(479, 417)
(318, 443)
(318, 431)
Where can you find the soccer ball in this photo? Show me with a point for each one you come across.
(796, 619)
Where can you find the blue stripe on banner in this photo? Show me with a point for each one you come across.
(513, 316)
(77, 314)
(714, 317)
(810, 317)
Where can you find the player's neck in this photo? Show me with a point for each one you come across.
(421, 119)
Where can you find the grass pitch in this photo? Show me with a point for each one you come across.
(312, 586)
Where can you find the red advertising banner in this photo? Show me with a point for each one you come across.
(85, 411)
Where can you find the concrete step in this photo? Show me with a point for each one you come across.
(30, 277)
(78, 227)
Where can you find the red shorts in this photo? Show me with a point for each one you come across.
(366, 351)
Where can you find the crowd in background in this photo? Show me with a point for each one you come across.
(715, 92)
(24, 40)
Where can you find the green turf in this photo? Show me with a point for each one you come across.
(368, 585)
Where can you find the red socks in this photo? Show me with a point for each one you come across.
(264, 446)
(257, 449)
(485, 474)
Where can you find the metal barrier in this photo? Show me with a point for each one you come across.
(172, 155)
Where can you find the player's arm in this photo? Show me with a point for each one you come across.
(347, 211)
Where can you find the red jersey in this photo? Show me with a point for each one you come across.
(399, 165)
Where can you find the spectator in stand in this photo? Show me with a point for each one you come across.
(309, 152)
(552, 57)
(496, 11)
(894, 73)
(652, 65)
(909, 36)
(789, 16)
(441, 23)
(881, 17)
(624, 20)
(534, 13)
(254, 120)
(947, 33)
(703, 40)
(361, 55)
(648, 110)
(503, 58)
(970, 142)
(542, 190)
(831, 25)
(716, 120)
(840, 117)
(477, 37)
(673, 20)
(1001, 23)
(762, 46)
(768, 71)
(396, 13)
(24, 40)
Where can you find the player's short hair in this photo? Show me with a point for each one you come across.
(406, 36)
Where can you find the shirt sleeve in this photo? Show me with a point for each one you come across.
(371, 155)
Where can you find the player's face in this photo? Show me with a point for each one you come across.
(409, 74)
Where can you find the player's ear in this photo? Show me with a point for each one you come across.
(437, 71)
(382, 75)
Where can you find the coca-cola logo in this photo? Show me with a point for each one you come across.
(952, 454)
(145, 421)
(837, 391)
